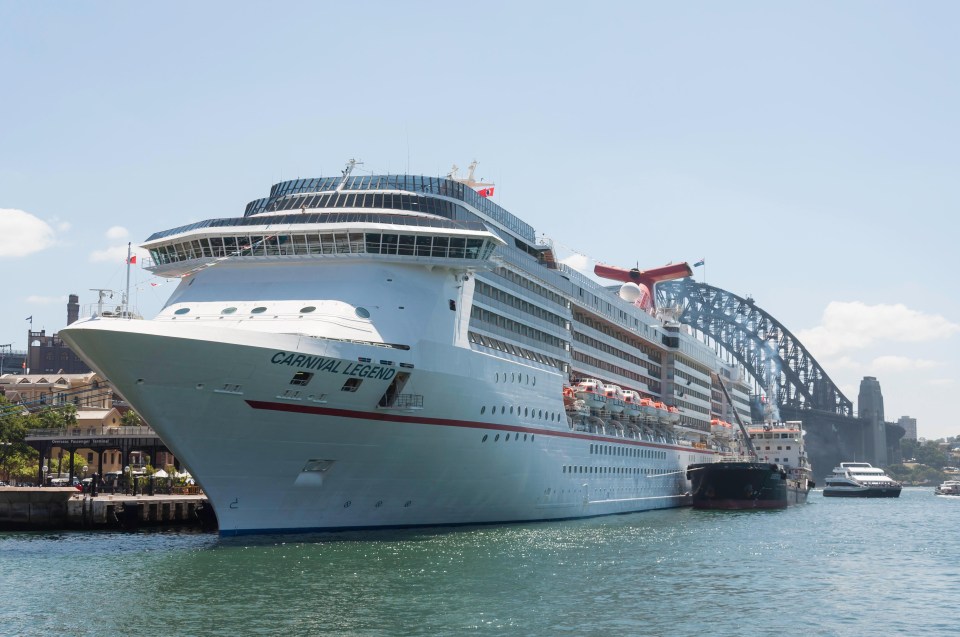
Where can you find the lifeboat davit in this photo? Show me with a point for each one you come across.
(590, 391)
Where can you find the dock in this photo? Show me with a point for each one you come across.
(32, 508)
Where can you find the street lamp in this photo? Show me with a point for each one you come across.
(129, 477)
(44, 470)
(82, 485)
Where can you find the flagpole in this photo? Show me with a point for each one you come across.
(126, 296)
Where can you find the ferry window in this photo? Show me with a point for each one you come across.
(525, 412)
(484, 438)
(182, 310)
(483, 409)
(496, 438)
(511, 411)
(228, 310)
(258, 310)
(351, 385)
(503, 409)
(307, 310)
(496, 377)
(362, 312)
(301, 378)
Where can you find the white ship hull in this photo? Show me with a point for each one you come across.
(272, 461)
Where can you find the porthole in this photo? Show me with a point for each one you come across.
(525, 412)
(228, 310)
(182, 310)
(534, 381)
(503, 409)
(258, 310)
(362, 312)
(513, 376)
(496, 438)
(307, 310)
(511, 410)
(483, 410)
(516, 436)
(484, 438)
(496, 377)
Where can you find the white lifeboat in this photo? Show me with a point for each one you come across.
(662, 414)
(673, 414)
(647, 406)
(614, 398)
(631, 403)
(590, 391)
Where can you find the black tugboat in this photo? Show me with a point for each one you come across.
(757, 481)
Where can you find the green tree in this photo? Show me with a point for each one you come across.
(15, 454)
(130, 418)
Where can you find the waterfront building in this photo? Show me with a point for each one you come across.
(909, 426)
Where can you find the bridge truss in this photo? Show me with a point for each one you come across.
(769, 352)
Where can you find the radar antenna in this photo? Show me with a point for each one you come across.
(346, 172)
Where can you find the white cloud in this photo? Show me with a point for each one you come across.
(901, 364)
(46, 300)
(117, 232)
(117, 254)
(22, 234)
(847, 326)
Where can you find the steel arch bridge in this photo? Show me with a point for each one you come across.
(768, 350)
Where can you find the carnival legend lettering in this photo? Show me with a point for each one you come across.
(333, 366)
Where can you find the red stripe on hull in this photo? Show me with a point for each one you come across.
(448, 422)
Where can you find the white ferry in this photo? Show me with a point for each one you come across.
(398, 350)
(860, 480)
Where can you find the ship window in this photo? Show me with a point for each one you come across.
(258, 310)
(423, 246)
(484, 438)
(483, 409)
(228, 310)
(182, 310)
(351, 385)
(301, 378)
(307, 310)
(496, 438)
(362, 312)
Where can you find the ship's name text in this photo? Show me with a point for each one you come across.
(333, 366)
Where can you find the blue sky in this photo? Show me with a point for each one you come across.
(808, 152)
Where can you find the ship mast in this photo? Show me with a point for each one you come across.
(346, 173)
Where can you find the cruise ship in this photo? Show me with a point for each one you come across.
(399, 350)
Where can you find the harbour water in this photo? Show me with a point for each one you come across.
(833, 567)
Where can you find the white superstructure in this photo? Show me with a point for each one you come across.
(395, 351)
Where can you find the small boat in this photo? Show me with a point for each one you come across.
(591, 392)
(631, 403)
(948, 487)
(663, 415)
(647, 407)
(860, 480)
(614, 398)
